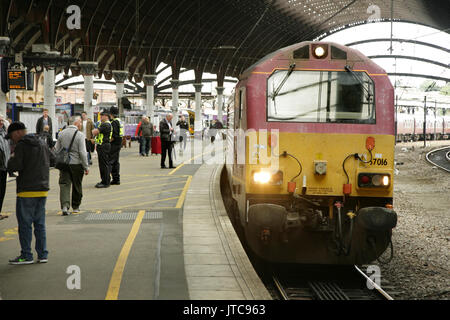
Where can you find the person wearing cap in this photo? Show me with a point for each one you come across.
(32, 159)
(116, 145)
(103, 135)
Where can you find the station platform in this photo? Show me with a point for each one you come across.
(160, 235)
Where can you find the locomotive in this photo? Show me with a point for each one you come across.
(324, 115)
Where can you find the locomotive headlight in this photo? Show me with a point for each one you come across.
(268, 177)
(319, 52)
(386, 181)
(262, 177)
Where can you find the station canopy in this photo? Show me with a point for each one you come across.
(219, 37)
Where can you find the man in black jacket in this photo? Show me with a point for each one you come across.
(43, 121)
(116, 145)
(103, 141)
(32, 159)
(166, 131)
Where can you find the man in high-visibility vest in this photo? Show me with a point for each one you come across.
(116, 145)
(103, 141)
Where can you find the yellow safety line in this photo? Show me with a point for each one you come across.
(142, 181)
(140, 195)
(116, 278)
(149, 202)
(183, 194)
(133, 189)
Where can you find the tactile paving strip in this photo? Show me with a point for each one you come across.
(93, 217)
(124, 216)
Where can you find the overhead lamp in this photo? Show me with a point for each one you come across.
(320, 51)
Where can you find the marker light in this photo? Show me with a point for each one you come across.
(262, 177)
(374, 180)
(377, 180)
(365, 179)
(319, 52)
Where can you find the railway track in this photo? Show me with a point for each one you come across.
(440, 158)
(336, 284)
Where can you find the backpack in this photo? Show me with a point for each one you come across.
(63, 156)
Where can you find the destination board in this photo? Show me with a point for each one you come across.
(17, 80)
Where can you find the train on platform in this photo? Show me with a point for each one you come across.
(410, 124)
(324, 113)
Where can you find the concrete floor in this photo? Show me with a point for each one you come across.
(106, 236)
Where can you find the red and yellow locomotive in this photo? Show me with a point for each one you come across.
(324, 116)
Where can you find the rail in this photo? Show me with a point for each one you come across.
(349, 286)
(440, 158)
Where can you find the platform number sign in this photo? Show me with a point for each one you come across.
(17, 79)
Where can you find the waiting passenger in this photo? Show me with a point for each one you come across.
(43, 121)
(72, 176)
(146, 133)
(32, 159)
(184, 130)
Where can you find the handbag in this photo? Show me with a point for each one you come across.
(63, 156)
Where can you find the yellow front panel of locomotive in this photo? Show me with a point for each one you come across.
(329, 151)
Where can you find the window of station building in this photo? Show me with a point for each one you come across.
(321, 97)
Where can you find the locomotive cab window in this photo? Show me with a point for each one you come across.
(321, 97)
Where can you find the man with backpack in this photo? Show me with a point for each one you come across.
(74, 142)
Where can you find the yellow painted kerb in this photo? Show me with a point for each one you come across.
(116, 278)
(183, 194)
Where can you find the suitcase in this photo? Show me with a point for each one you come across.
(156, 145)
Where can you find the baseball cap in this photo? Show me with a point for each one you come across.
(104, 113)
(15, 126)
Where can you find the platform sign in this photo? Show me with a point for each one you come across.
(17, 79)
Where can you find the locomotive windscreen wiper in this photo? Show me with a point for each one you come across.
(277, 91)
(354, 74)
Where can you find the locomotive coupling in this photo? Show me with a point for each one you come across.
(377, 219)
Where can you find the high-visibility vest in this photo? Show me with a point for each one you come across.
(99, 138)
(121, 132)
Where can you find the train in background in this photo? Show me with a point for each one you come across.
(410, 120)
(326, 112)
